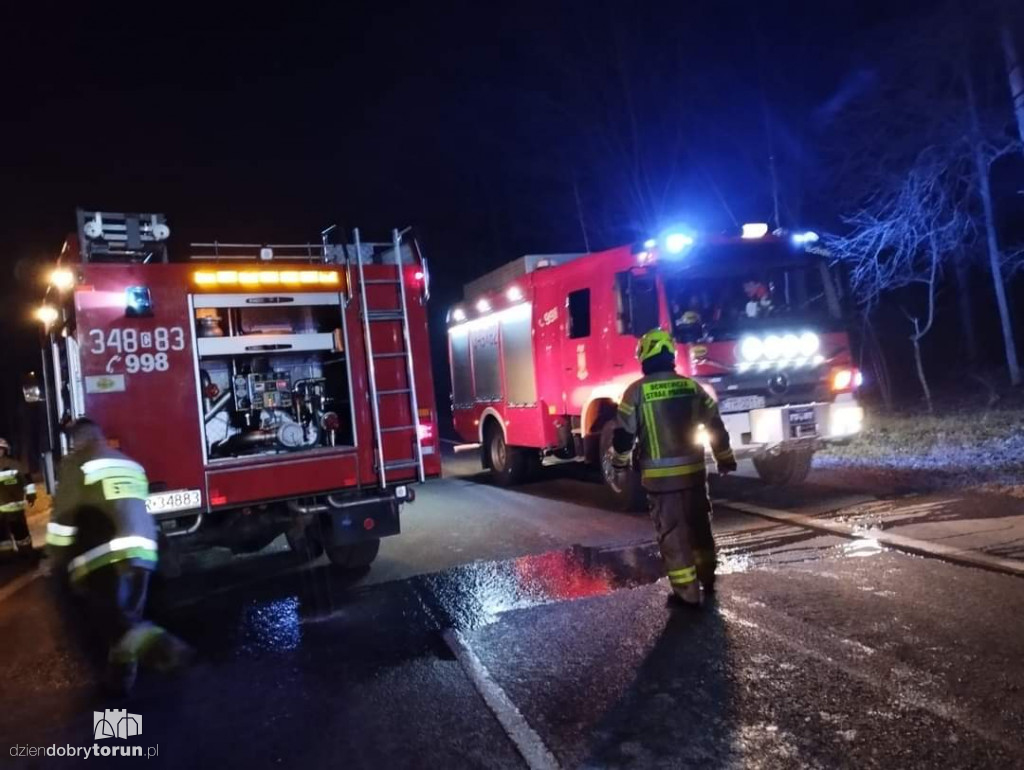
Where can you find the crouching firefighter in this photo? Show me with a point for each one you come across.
(102, 538)
(663, 413)
(16, 489)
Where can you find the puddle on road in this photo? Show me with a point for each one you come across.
(474, 595)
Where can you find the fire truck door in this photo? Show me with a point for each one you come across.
(549, 308)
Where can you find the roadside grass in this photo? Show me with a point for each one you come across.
(960, 445)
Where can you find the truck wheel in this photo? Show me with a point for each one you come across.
(302, 544)
(784, 469)
(508, 463)
(355, 555)
(629, 494)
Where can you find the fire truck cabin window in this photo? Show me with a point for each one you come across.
(579, 314)
(723, 306)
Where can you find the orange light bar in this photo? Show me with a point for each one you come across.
(256, 278)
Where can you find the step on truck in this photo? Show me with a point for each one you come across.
(266, 389)
(542, 349)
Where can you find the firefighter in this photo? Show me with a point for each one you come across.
(16, 489)
(663, 412)
(101, 535)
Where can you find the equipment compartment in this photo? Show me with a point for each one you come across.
(272, 373)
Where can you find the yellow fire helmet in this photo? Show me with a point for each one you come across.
(654, 342)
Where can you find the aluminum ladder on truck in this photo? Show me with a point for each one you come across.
(381, 398)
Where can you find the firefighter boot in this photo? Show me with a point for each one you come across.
(120, 675)
(706, 563)
(166, 653)
(685, 590)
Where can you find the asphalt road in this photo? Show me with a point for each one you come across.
(507, 627)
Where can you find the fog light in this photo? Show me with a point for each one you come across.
(846, 420)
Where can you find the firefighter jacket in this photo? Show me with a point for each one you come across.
(99, 513)
(15, 486)
(664, 412)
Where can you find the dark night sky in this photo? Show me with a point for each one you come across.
(469, 121)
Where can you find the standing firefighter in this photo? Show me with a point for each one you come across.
(15, 489)
(102, 535)
(664, 412)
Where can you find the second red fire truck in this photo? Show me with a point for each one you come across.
(543, 348)
(265, 389)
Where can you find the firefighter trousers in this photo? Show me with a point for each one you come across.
(683, 523)
(13, 526)
(112, 602)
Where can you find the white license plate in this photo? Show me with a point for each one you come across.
(741, 404)
(179, 500)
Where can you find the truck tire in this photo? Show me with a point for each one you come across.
(354, 555)
(786, 468)
(630, 496)
(303, 544)
(509, 464)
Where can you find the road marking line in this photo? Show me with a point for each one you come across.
(912, 545)
(527, 741)
(18, 583)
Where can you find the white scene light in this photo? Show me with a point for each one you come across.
(755, 230)
(483, 306)
(514, 294)
(790, 346)
(773, 347)
(458, 314)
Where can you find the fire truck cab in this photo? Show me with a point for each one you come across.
(542, 349)
(266, 389)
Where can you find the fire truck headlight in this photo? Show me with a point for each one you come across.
(751, 348)
(676, 242)
(138, 302)
(755, 230)
(47, 314)
(62, 279)
(650, 243)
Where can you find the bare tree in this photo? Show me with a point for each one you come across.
(901, 238)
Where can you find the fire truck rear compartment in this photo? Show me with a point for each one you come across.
(273, 377)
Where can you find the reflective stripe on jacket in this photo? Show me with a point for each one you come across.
(15, 484)
(99, 513)
(664, 411)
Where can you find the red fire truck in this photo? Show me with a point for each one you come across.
(266, 389)
(542, 349)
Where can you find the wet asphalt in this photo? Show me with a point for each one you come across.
(816, 651)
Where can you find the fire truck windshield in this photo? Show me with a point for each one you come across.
(726, 299)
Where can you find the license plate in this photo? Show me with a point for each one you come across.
(741, 404)
(802, 416)
(179, 500)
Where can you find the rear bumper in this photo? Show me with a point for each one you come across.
(794, 427)
(356, 515)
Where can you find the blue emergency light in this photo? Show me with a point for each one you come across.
(138, 302)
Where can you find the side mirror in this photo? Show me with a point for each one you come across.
(31, 389)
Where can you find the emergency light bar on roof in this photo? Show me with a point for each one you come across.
(255, 279)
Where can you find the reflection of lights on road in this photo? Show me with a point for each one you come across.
(863, 546)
